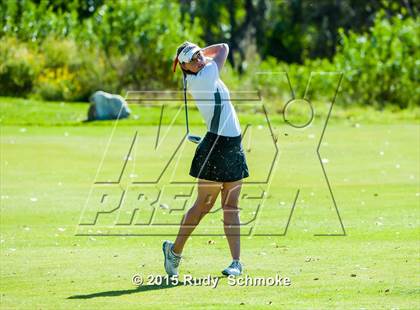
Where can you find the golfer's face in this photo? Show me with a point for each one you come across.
(197, 62)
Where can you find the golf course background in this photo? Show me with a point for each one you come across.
(66, 50)
(347, 239)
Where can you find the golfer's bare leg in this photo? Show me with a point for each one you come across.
(230, 198)
(207, 195)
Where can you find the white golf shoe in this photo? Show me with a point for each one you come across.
(234, 269)
(171, 259)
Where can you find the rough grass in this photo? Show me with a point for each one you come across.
(27, 112)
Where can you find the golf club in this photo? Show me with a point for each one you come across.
(192, 138)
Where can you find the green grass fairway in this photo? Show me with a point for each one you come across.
(47, 173)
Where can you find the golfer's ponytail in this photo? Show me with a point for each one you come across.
(175, 61)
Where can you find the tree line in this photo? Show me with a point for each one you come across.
(64, 50)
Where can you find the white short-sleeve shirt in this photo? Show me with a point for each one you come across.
(213, 101)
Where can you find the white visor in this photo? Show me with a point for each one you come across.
(188, 52)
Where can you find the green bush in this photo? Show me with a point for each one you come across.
(58, 69)
(19, 66)
(124, 45)
(280, 81)
(140, 41)
(72, 72)
(382, 66)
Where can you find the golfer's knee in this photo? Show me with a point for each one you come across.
(207, 203)
(204, 208)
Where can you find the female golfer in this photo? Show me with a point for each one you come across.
(219, 162)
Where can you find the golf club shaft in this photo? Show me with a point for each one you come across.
(185, 103)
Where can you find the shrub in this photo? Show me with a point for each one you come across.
(379, 67)
(382, 66)
(19, 66)
(72, 72)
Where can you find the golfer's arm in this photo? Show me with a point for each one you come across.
(218, 52)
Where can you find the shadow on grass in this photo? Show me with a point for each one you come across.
(139, 289)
